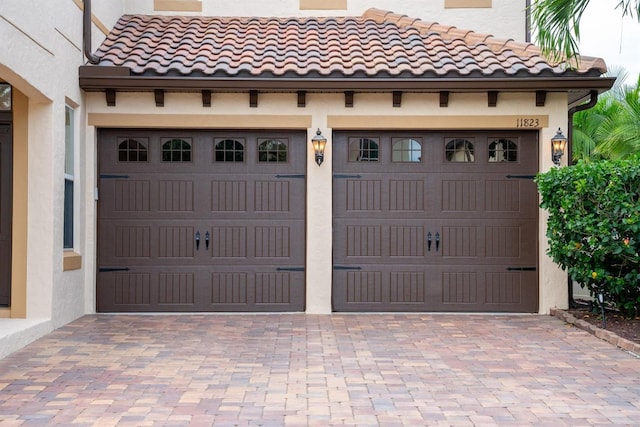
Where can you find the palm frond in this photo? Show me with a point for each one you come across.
(557, 27)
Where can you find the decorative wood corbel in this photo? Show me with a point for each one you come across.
(492, 98)
(206, 98)
(302, 99)
(110, 95)
(444, 99)
(348, 99)
(397, 98)
(159, 95)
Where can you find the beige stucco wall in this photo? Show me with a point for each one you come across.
(40, 59)
(372, 111)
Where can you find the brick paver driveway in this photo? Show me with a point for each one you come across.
(297, 370)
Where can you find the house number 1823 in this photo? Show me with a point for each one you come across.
(523, 122)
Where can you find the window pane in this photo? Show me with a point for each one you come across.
(364, 150)
(272, 151)
(176, 150)
(5, 97)
(133, 150)
(407, 150)
(68, 141)
(503, 150)
(69, 148)
(229, 150)
(460, 151)
(68, 214)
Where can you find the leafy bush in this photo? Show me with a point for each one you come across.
(594, 227)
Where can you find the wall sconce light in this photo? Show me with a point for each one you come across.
(558, 143)
(319, 142)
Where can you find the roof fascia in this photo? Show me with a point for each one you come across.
(118, 78)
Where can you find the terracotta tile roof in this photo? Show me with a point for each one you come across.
(377, 44)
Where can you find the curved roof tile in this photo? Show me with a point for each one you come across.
(378, 43)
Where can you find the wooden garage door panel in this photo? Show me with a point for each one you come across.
(225, 289)
(430, 242)
(432, 288)
(192, 196)
(223, 241)
(451, 195)
(435, 221)
(200, 220)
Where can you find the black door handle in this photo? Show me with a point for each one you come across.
(429, 241)
(437, 241)
(197, 240)
(207, 237)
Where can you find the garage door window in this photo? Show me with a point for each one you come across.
(364, 150)
(229, 150)
(407, 150)
(133, 150)
(503, 150)
(272, 151)
(176, 150)
(459, 151)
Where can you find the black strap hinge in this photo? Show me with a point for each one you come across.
(340, 176)
(521, 176)
(346, 267)
(111, 176)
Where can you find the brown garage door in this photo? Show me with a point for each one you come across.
(435, 222)
(201, 221)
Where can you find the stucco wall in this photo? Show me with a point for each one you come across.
(42, 50)
(375, 111)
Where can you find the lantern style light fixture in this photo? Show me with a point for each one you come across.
(558, 143)
(319, 142)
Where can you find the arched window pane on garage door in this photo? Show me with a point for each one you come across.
(133, 150)
(503, 150)
(364, 150)
(229, 150)
(176, 150)
(459, 151)
(272, 151)
(406, 150)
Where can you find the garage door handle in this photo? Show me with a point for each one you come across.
(429, 241)
(197, 240)
(207, 237)
(437, 241)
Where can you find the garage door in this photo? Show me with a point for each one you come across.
(201, 221)
(435, 222)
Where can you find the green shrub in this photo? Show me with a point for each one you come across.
(594, 227)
